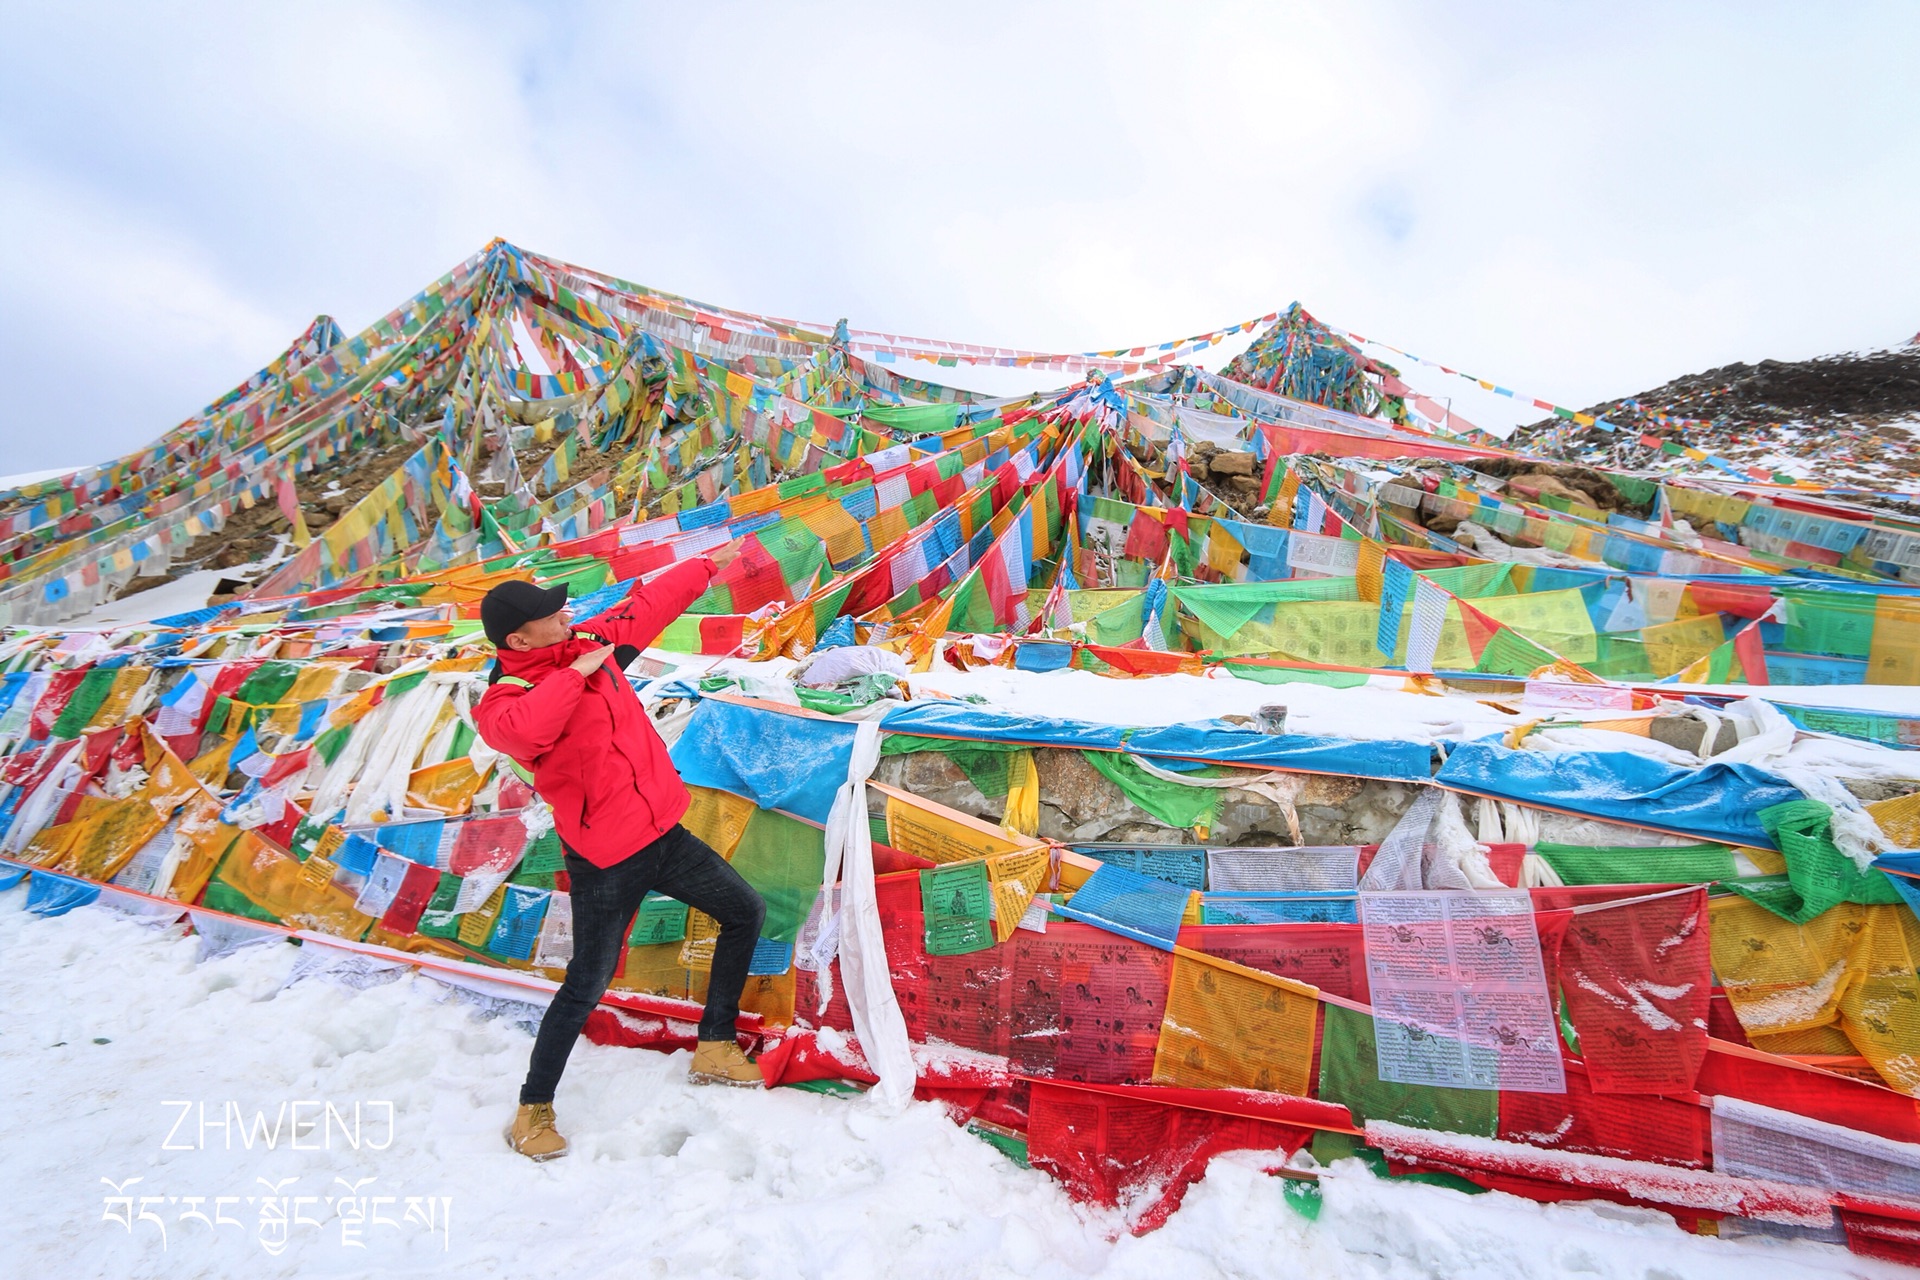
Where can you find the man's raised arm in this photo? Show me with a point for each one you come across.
(648, 609)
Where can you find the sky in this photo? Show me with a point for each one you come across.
(1575, 201)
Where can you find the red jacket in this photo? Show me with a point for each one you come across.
(595, 755)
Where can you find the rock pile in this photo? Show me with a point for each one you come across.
(1845, 420)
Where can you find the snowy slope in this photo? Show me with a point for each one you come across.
(103, 1020)
(20, 478)
(1847, 419)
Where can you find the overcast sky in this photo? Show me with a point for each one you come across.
(1578, 201)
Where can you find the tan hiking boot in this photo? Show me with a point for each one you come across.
(721, 1062)
(533, 1134)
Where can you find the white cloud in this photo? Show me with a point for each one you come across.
(1574, 203)
(109, 321)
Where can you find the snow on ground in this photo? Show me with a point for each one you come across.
(104, 1021)
(20, 478)
(146, 601)
(183, 594)
(1896, 699)
(1378, 709)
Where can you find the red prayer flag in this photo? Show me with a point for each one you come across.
(1638, 981)
(416, 891)
(60, 690)
(754, 578)
(1771, 1081)
(993, 576)
(1479, 627)
(1146, 539)
(722, 633)
(487, 844)
(1663, 1130)
(1110, 1149)
(1752, 654)
(1741, 601)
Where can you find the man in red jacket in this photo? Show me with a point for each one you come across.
(559, 707)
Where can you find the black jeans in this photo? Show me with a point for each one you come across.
(682, 866)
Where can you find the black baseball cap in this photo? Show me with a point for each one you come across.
(508, 606)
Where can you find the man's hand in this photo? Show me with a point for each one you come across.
(588, 663)
(724, 556)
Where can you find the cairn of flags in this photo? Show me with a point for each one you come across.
(1561, 967)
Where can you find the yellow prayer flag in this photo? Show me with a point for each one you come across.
(1015, 878)
(1228, 1026)
(1370, 575)
(1023, 794)
(718, 817)
(1781, 976)
(1037, 515)
(1899, 819)
(1880, 1013)
(1894, 655)
(914, 827)
(1224, 552)
(703, 932)
(477, 926)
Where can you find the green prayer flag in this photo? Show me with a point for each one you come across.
(217, 719)
(957, 904)
(404, 684)
(1819, 875)
(660, 919)
(1288, 675)
(544, 855)
(1685, 864)
(267, 683)
(332, 742)
(1349, 1075)
(783, 859)
(1175, 803)
(86, 700)
(438, 920)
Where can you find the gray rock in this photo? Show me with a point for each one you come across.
(1078, 804)
(1874, 790)
(937, 778)
(1687, 732)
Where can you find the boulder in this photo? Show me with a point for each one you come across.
(937, 778)
(1079, 805)
(1543, 486)
(1686, 732)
